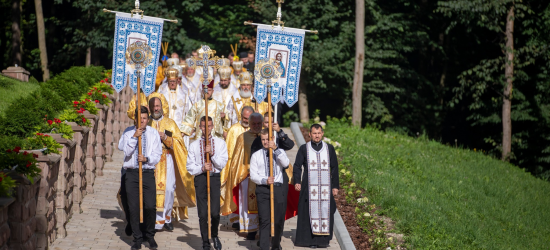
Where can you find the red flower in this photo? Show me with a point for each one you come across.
(8, 151)
(106, 79)
(29, 164)
(38, 134)
(89, 93)
(80, 111)
(112, 86)
(25, 153)
(102, 81)
(75, 102)
(35, 155)
(83, 102)
(17, 149)
(96, 101)
(46, 136)
(83, 119)
(95, 87)
(0, 179)
(104, 96)
(50, 122)
(87, 100)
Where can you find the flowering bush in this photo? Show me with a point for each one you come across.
(39, 141)
(55, 126)
(22, 163)
(6, 185)
(96, 94)
(75, 116)
(85, 104)
(336, 144)
(104, 87)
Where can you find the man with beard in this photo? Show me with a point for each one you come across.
(244, 98)
(234, 132)
(192, 82)
(224, 90)
(198, 167)
(320, 184)
(176, 96)
(174, 185)
(238, 184)
(191, 122)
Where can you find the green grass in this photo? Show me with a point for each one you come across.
(11, 90)
(442, 197)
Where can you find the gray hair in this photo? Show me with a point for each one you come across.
(257, 116)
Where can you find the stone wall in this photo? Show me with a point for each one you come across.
(38, 213)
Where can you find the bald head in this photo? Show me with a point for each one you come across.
(246, 111)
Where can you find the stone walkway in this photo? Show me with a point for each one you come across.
(100, 225)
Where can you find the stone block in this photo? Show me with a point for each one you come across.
(17, 72)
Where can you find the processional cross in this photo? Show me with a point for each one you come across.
(208, 60)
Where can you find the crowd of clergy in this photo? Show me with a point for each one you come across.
(181, 145)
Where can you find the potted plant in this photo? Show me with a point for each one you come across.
(44, 143)
(20, 163)
(55, 126)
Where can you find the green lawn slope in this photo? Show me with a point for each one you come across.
(442, 197)
(12, 89)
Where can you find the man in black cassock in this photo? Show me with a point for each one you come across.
(316, 206)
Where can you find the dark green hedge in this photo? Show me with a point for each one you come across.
(53, 96)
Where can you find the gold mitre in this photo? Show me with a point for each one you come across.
(226, 62)
(172, 61)
(224, 72)
(183, 65)
(245, 77)
(211, 52)
(237, 65)
(172, 73)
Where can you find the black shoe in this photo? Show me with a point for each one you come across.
(313, 246)
(217, 243)
(236, 225)
(251, 236)
(258, 243)
(136, 246)
(153, 244)
(128, 230)
(168, 226)
(207, 248)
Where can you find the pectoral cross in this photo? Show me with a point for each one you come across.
(206, 62)
(239, 101)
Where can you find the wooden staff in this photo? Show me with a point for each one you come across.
(138, 117)
(270, 160)
(207, 158)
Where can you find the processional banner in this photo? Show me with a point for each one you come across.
(286, 46)
(128, 30)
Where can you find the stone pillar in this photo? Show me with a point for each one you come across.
(5, 231)
(90, 164)
(80, 137)
(109, 136)
(46, 220)
(18, 73)
(100, 139)
(22, 215)
(65, 184)
(116, 121)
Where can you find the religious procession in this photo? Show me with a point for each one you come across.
(206, 134)
(274, 124)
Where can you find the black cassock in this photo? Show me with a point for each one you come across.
(304, 236)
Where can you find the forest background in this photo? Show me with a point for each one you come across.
(434, 68)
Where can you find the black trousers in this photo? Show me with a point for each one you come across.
(147, 230)
(264, 212)
(201, 191)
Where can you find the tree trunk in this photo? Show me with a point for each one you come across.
(507, 99)
(42, 40)
(16, 32)
(88, 56)
(357, 94)
(302, 102)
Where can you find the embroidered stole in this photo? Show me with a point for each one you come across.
(203, 151)
(319, 189)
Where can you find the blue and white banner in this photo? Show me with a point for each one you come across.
(286, 46)
(127, 31)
